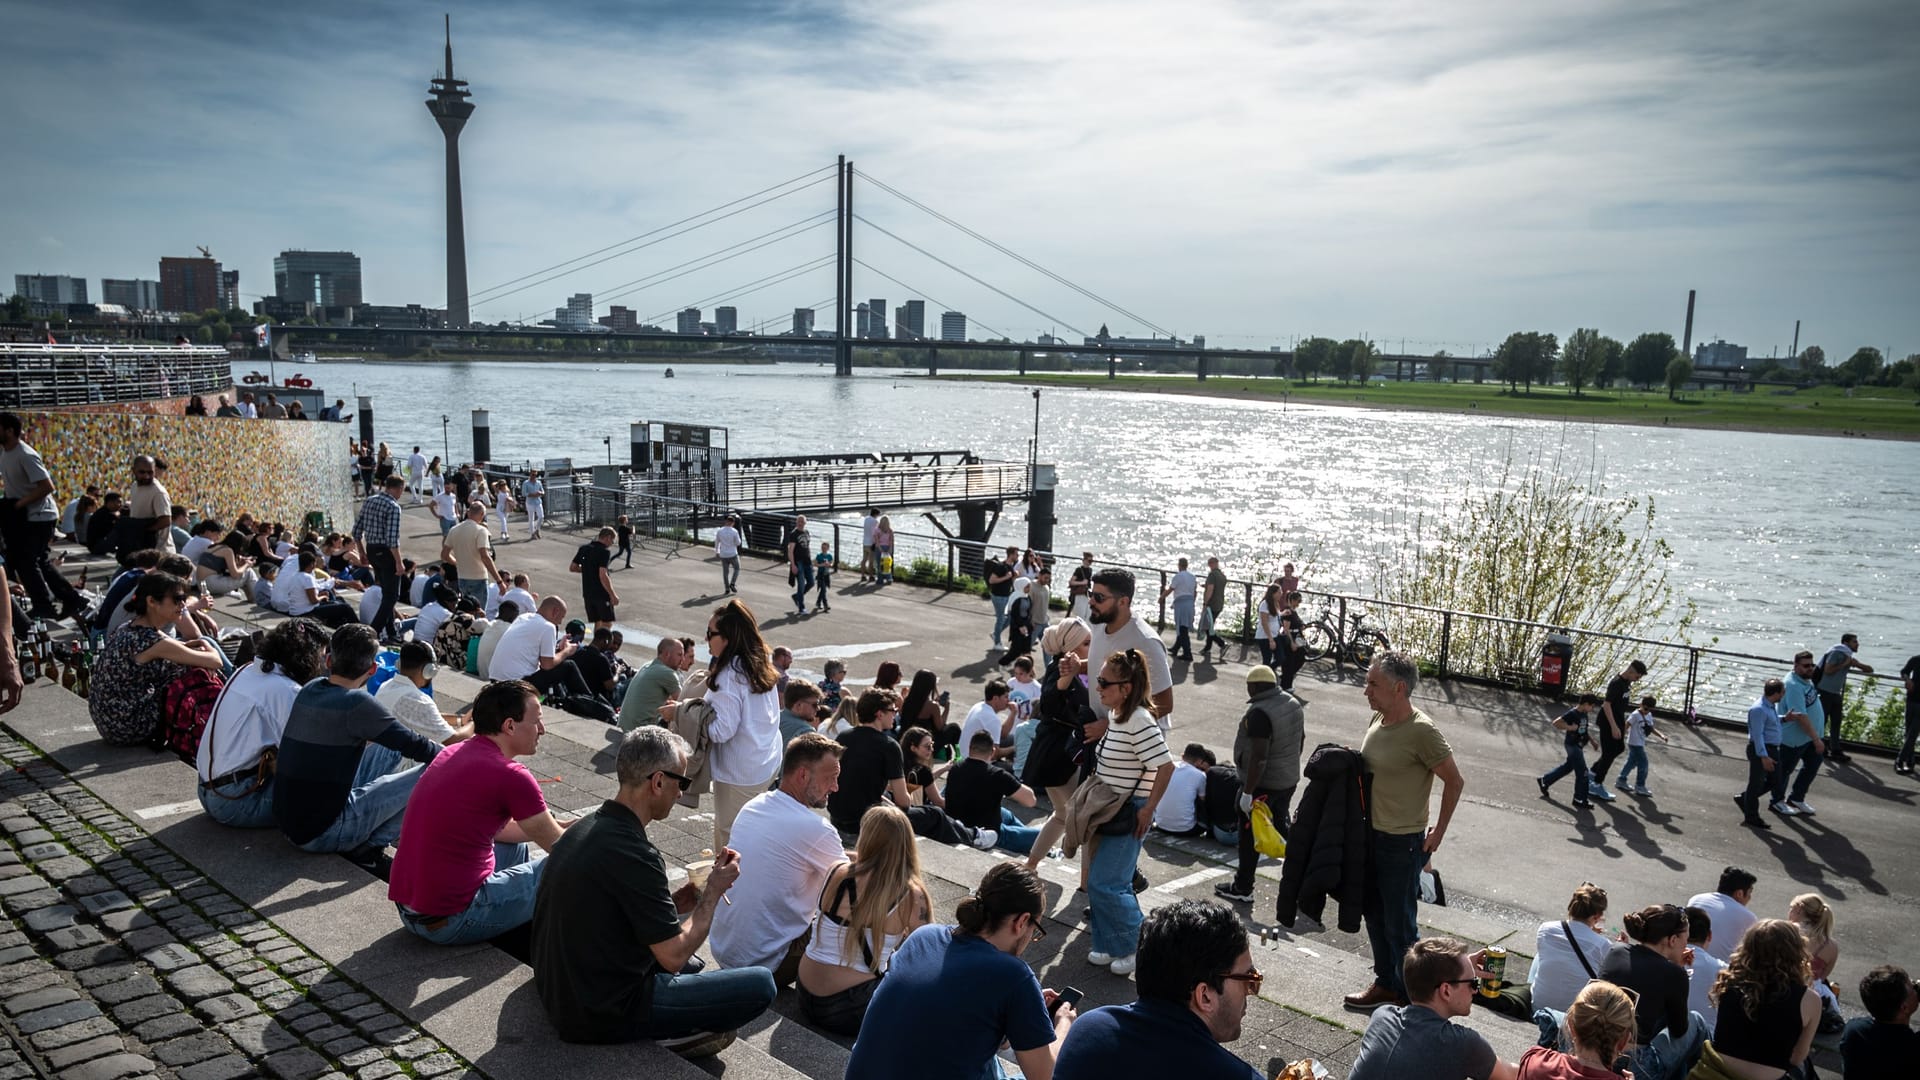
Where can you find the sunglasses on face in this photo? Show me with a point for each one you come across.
(711, 634)
(1251, 977)
(685, 782)
(1100, 598)
(1108, 684)
(1473, 983)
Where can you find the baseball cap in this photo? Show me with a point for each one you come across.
(1261, 673)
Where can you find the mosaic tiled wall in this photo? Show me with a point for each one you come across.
(174, 406)
(277, 469)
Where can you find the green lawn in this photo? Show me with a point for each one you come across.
(1869, 411)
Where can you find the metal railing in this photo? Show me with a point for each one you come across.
(1685, 680)
(62, 376)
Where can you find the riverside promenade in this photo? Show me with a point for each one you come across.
(145, 939)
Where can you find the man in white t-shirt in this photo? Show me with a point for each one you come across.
(793, 849)
(869, 553)
(531, 649)
(1179, 812)
(1702, 966)
(1110, 610)
(490, 637)
(417, 474)
(1184, 588)
(993, 716)
(283, 584)
(438, 609)
(521, 594)
(370, 603)
(445, 510)
(726, 548)
(1728, 909)
(405, 696)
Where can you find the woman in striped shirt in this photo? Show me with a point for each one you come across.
(1132, 759)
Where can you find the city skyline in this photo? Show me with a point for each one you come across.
(1224, 171)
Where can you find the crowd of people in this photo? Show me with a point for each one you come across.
(820, 791)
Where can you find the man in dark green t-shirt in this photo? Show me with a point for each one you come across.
(1213, 600)
(613, 958)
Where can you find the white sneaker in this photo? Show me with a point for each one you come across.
(984, 839)
(1599, 791)
(1783, 809)
(1801, 807)
(1125, 965)
(1100, 959)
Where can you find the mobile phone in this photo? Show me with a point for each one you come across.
(1069, 996)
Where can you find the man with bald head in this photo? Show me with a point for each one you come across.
(533, 649)
(149, 519)
(653, 686)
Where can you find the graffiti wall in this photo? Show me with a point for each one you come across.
(277, 469)
(175, 406)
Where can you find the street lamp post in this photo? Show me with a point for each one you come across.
(446, 445)
(1033, 445)
(607, 441)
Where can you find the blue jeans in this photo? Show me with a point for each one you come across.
(1668, 1058)
(374, 806)
(1636, 760)
(1392, 905)
(475, 588)
(823, 577)
(1116, 913)
(802, 584)
(229, 804)
(1018, 838)
(1576, 764)
(706, 1001)
(504, 901)
(1809, 763)
(999, 615)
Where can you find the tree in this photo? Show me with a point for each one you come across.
(1361, 359)
(19, 308)
(1861, 366)
(1679, 370)
(1526, 355)
(1611, 352)
(1645, 361)
(1508, 359)
(1313, 356)
(1581, 359)
(1813, 358)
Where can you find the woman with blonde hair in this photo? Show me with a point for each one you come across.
(867, 907)
(883, 550)
(1768, 1010)
(1132, 759)
(1600, 1028)
(745, 730)
(1814, 917)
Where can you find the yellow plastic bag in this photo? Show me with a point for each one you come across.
(1266, 838)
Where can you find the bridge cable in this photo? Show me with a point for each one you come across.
(1010, 253)
(918, 292)
(972, 278)
(716, 257)
(775, 278)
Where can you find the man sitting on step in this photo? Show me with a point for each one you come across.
(1420, 1041)
(613, 945)
(463, 871)
(792, 849)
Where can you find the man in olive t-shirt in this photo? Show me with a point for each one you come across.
(1404, 752)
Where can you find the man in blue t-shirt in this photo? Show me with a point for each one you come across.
(1195, 976)
(1802, 717)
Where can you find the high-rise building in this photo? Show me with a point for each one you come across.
(189, 285)
(578, 314)
(876, 319)
(134, 294)
(953, 326)
(328, 278)
(229, 290)
(620, 319)
(688, 322)
(51, 288)
(450, 109)
(802, 322)
(910, 321)
(726, 320)
(1719, 355)
(862, 323)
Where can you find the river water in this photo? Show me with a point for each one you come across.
(1782, 541)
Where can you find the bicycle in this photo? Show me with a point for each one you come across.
(1323, 640)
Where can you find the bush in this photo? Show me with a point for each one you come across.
(1863, 721)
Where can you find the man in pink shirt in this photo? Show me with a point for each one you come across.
(462, 872)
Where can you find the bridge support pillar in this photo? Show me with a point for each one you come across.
(1023, 362)
(482, 436)
(1200, 362)
(1040, 517)
(933, 361)
(973, 530)
(639, 452)
(364, 406)
(1113, 366)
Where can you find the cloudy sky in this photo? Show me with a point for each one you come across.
(1438, 174)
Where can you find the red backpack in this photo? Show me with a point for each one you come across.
(184, 707)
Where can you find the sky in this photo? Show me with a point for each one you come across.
(1430, 176)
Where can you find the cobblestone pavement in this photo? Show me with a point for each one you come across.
(119, 960)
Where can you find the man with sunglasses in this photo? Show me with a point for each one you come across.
(1196, 975)
(614, 945)
(1115, 630)
(1419, 1041)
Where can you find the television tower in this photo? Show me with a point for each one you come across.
(450, 109)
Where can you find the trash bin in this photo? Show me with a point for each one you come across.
(1555, 658)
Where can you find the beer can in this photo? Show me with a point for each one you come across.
(1496, 967)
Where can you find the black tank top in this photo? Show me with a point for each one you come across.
(1768, 1038)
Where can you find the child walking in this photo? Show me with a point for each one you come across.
(1640, 724)
(822, 570)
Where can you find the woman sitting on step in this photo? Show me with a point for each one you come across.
(867, 907)
(140, 658)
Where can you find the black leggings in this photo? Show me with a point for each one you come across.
(839, 1013)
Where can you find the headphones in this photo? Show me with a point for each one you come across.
(430, 670)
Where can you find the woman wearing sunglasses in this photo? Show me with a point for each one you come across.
(140, 658)
(746, 714)
(1132, 759)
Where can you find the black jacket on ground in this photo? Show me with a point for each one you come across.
(1327, 846)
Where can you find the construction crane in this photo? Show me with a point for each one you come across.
(203, 251)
